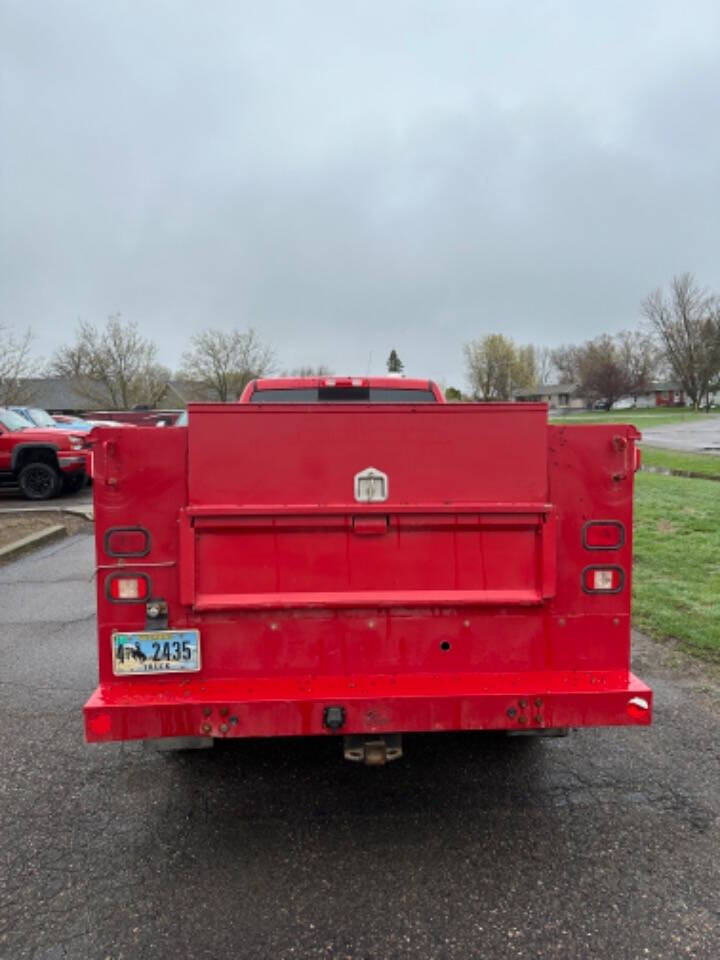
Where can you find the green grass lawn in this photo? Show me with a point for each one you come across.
(676, 592)
(652, 417)
(707, 464)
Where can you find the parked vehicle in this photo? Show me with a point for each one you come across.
(354, 557)
(41, 461)
(41, 418)
(141, 417)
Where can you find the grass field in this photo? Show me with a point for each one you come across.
(653, 416)
(706, 464)
(676, 591)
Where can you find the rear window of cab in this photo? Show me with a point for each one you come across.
(349, 394)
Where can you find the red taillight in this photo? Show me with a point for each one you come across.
(603, 579)
(603, 535)
(128, 588)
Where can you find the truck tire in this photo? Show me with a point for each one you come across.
(39, 481)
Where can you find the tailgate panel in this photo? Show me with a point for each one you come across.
(272, 519)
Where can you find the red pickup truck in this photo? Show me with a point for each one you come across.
(41, 461)
(354, 557)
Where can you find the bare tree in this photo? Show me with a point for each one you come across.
(114, 366)
(687, 325)
(225, 362)
(565, 362)
(16, 364)
(309, 371)
(544, 366)
(608, 368)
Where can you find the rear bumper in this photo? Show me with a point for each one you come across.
(151, 708)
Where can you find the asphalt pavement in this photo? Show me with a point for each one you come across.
(695, 436)
(12, 499)
(603, 844)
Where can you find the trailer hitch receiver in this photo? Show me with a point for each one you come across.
(373, 751)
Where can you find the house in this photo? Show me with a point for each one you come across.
(556, 395)
(61, 395)
(57, 394)
(662, 393)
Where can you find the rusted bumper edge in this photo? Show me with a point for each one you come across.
(148, 708)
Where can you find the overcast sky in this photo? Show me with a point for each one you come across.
(349, 177)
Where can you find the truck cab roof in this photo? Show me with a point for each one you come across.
(341, 389)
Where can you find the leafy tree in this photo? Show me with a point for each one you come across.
(15, 364)
(687, 325)
(453, 395)
(112, 366)
(224, 362)
(495, 366)
(394, 363)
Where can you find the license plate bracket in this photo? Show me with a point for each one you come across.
(136, 652)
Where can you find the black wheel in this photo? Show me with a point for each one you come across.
(73, 482)
(39, 481)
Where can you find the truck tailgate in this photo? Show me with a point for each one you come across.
(274, 520)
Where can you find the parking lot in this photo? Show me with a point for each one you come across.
(601, 844)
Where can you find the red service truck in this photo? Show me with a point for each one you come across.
(356, 558)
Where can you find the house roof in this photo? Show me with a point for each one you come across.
(545, 390)
(56, 393)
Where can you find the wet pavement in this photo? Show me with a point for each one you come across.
(696, 436)
(603, 844)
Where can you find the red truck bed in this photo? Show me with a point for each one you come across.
(467, 599)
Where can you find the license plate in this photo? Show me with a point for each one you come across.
(156, 651)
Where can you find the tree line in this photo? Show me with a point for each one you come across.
(679, 338)
(115, 366)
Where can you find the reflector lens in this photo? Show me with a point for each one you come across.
(637, 708)
(603, 535)
(125, 542)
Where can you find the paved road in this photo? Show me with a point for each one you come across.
(698, 436)
(604, 844)
(12, 499)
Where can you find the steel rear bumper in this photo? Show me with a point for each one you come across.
(150, 708)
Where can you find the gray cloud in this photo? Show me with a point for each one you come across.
(353, 177)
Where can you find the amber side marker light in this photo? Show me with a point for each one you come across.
(603, 579)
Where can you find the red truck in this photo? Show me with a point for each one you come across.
(354, 557)
(43, 462)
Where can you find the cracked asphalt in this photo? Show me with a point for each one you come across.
(603, 844)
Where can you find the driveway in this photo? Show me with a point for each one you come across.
(603, 844)
(697, 436)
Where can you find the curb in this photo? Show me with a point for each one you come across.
(38, 539)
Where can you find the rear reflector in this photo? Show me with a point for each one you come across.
(127, 542)
(637, 708)
(603, 535)
(603, 579)
(127, 589)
